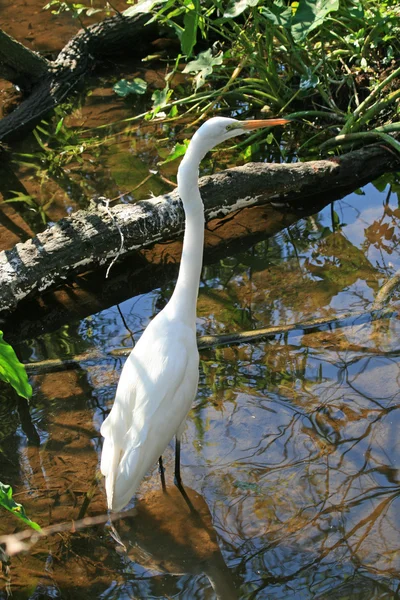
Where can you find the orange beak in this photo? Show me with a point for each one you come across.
(249, 125)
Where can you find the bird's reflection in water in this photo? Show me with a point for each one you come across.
(172, 532)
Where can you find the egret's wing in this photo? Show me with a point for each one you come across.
(154, 395)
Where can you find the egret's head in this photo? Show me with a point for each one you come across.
(218, 129)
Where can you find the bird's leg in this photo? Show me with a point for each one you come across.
(162, 476)
(178, 480)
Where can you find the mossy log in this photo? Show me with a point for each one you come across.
(89, 239)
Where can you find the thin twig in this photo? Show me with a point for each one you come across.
(23, 541)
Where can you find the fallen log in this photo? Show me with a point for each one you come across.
(50, 82)
(89, 239)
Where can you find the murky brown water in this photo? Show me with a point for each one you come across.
(291, 453)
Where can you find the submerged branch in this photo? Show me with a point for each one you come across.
(386, 291)
(348, 319)
(15, 543)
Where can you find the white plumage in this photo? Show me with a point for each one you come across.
(159, 380)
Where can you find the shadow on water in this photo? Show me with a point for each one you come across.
(174, 535)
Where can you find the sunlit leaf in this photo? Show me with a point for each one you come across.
(160, 98)
(7, 502)
(203, 66)
(270, 138)
(124, 88)
(236, 7)
(177, 151)
(309, 80)
(309, 15)
(355, 9)
(12, 371)
(190, 22)
(143, 7)
(335, 219)
(278, 14)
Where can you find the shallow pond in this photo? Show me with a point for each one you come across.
(291, 454)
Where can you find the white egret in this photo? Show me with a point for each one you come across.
(159, 380)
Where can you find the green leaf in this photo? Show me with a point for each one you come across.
(355, 9)
(279, 14)
(236, 7)
(177, 151)
(7, 502)
(145, 6)
(203, 66)
(310, 80)
(12, 371)
(309, 15)
(190, 22)
(270, 138)
(161, 98)
(336, 219)
(124, 88)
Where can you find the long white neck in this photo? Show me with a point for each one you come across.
(184, 299)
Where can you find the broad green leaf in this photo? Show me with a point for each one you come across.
(190, 22)
(354, 8)
(310, 80)
(161, 98)
(203, 66)
(236, 7)
(279, 15)
(309, 15)
(7, 502)
(145, 6)
(12, 371)
(124, 88)
(177, 151)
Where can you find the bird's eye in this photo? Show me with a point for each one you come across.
(230, 127)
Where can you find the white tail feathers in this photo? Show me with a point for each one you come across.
(110, 460)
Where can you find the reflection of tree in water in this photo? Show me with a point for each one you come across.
(315, 470)
(292, 276)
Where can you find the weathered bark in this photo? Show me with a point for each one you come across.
(89, 239)
(79, 56)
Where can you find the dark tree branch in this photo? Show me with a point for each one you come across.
(79, 56)
(20, 65)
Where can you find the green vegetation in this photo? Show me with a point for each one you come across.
(12, 371)
(329, 60)
(7, 502)
(331, 66)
